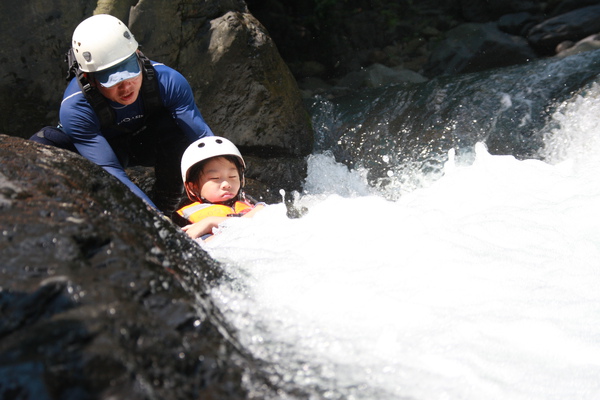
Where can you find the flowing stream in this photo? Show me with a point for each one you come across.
(480, 281)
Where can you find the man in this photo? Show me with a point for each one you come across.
(121, 109)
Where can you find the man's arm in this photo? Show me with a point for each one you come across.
(83, 127)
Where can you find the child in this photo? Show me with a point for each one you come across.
(212, 169)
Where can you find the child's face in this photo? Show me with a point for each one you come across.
(219, 180)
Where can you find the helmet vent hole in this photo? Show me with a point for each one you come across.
(201, 145)
(219, 141)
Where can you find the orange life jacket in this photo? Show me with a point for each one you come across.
(198, 211)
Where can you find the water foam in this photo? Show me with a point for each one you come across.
(482, 285)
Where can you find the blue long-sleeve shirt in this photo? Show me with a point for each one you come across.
(81, 123)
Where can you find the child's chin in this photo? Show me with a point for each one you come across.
(220, 199)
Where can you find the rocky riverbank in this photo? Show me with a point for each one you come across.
(332, 47)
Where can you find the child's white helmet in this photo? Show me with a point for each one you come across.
(205, 148)
(102, 41)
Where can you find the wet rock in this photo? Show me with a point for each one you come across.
(101, 298)
(476, 47)
(490, 10)
(569, 48)
(378, 75)
(574, 25)
(565, 6)
(244, 89)
(518, 24)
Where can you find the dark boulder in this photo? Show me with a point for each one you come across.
(574, 25)
(564, 6)
(243, 87)
(101, 298)
(476, 47)
(490, 10)
(518, 24)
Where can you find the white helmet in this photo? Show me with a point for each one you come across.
(102, 41)
(205, 148)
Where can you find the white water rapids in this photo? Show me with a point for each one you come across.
(483, 285)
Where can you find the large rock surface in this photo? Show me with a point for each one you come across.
(245, 90)
(100, 298)
(476, 47)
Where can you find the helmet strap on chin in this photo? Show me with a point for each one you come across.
(191, 192)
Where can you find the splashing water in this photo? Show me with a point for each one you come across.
(482, 285)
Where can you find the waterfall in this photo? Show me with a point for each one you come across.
(449, 250)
